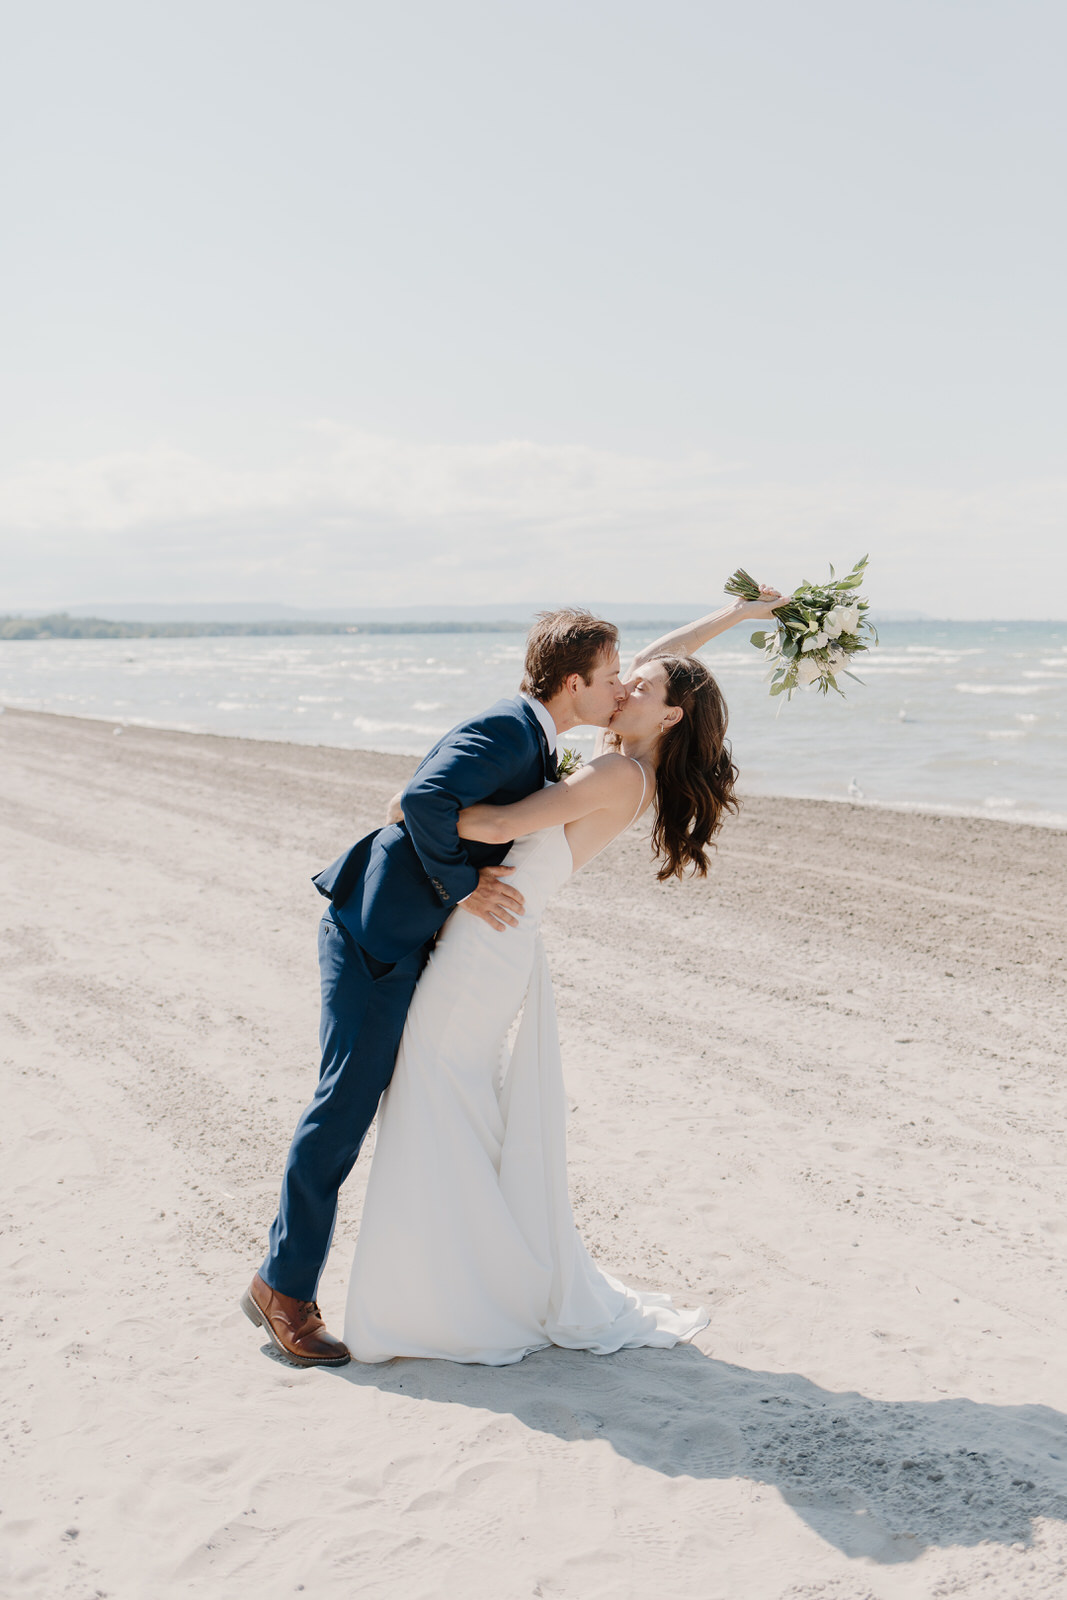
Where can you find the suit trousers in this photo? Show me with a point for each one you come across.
(364, 1004)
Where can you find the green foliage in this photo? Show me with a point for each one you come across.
(805, 616)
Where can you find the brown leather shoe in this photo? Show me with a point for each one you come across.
(294, 1327)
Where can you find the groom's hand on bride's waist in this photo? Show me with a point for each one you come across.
(494, 900)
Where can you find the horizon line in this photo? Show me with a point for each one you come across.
(653, 612)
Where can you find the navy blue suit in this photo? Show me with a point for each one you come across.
(388, 896)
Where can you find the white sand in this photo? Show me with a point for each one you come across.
(822, 1092)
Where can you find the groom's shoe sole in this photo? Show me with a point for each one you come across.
(258, 1320)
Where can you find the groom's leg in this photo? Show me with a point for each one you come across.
(363, 1009)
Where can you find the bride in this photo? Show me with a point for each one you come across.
(467, 1248)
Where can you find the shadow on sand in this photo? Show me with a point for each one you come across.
(875, 1478)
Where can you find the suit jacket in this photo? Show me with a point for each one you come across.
(396, 886)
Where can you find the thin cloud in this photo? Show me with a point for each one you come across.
(360, 518)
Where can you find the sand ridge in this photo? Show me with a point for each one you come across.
(823, 1091)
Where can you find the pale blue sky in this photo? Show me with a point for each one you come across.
(373, 303)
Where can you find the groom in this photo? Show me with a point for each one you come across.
(388, 896)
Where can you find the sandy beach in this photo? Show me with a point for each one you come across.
(821, 1093)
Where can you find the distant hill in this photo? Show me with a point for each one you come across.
(79, 624)
(510, 611)
(61, 625)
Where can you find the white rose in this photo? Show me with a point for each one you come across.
(808, 671)
(814, 641)
(852, 616)
(834, 622)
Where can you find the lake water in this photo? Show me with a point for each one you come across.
(968, 717)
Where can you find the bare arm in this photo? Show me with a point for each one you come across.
(692, 636)
(610, 781)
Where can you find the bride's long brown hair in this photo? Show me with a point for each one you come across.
(695, 773)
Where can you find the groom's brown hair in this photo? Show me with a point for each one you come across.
(563, 642)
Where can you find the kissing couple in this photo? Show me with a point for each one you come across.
(428, 951)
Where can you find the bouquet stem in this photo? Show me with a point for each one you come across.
(745, 587)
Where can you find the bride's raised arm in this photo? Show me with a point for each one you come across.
(609, 783)
(692, 636)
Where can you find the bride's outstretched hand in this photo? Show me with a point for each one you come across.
(768, 602)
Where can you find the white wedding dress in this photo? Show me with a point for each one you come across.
(467, 1249)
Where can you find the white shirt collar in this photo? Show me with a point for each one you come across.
(544, 718)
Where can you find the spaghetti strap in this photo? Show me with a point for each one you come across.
(633, 819)
(644, 786)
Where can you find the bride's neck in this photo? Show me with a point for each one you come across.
(641, 749)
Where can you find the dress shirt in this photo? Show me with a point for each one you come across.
(545, 719)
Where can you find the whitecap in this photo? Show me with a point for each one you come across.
(1000, 688)
(938, 650)
(372, 725)
(888, 658)
(881, 670)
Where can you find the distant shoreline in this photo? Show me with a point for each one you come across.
(61, 625)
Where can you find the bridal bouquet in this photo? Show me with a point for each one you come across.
(820, 628)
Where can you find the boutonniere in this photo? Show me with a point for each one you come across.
(567, 763)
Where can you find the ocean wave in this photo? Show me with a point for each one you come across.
(374, 725)
(1001, 688)
(945, 651)
(882, 669)
(737, 658)
(904, 659)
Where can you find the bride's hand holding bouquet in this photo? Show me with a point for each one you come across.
(761, 607)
